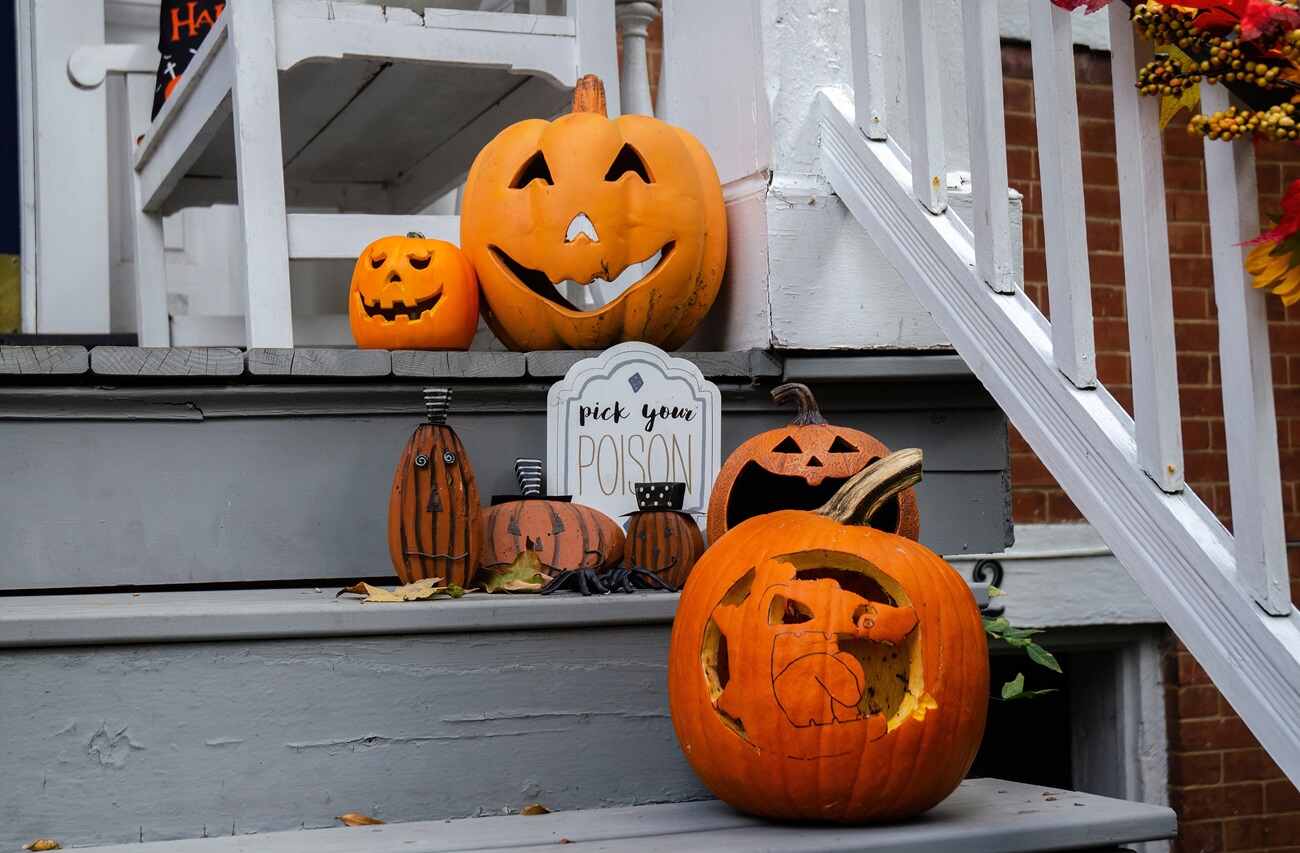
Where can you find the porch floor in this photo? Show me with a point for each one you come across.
(983, 815)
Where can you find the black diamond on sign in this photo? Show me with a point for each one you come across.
(636, 382)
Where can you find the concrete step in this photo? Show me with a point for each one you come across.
(982, 815)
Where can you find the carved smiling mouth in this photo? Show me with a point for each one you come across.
(538, 282)
(399, 309)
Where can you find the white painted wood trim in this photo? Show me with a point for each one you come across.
(27, 169)
(988, 145)
(90, 64)
(1171, 544)
(634, 19)
(1060, 166)
(227, 330)
(211, 50)
(597, 47)
(1148, 289)
(867, 40)
(345, 235)
(149, 255)
(924, 106)
(259, 165)
(499, 22)
(1254, 477)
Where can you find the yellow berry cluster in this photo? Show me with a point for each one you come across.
(1276, 123)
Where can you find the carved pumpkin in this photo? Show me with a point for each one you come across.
(412, 293)
(821, 670)
(434, 518)
(583, 198)
(800, 467)
(660, 537)
(566, 536)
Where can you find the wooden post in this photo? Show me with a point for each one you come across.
(634, 19)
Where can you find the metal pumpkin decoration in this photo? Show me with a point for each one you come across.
(566, 536)
(412, 293)
(660, 537)
(823, 670)
(584, 198)
(800, 467)
(435, 526)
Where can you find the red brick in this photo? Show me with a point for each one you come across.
(1191, 271)
(1107, 269)
(1201, 700)
(1016, 62)
(1107, 301)
(1240, 765)
(1100, 169)
(1262, 833)
(1021, 130)
(1096, 102)
(1183, 206)
(1092, 67)
(1097, 136)
(1022, 164)
(1281, 796)
(1018, 96)
(1197, 768)
(1061, 508)
(1112, 368)
(1222, 801)
(1103, 236)
(1202, 837)
(1190, 672)
(1186, 238)
(1185, 174)
(1101, 202)
(1026, 470)
(1196, 435)
(1193, 369)
(1028, 507)
(1191, 302)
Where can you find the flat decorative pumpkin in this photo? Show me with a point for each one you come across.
(823, 670)
(800, 467)
(581, 199)
(435, 527)
(412, 293)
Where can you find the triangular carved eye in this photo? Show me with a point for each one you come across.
(535, 169)
(839, 445)
(627, 161)
(787, 445)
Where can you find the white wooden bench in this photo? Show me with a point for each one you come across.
(328, 106)
(983, 816)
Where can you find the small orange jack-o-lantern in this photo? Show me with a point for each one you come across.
(800, 467)
(823, 670)
(412, 293)
(582, 199)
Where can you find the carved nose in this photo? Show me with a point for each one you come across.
(393, 277)
(581, 225)
(814, 462)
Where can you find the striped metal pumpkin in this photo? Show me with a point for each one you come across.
(435, 525)
(661, 538)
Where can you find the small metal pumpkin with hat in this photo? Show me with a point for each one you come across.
(661, 537)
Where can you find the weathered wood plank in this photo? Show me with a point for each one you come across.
(714, 365)
(459, 365)
(883, 367)
(318, 361)
(167, 361)
(43, 359)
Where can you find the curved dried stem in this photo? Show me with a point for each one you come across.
(798, 394)
(859, 498)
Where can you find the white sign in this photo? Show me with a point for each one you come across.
(633, 414)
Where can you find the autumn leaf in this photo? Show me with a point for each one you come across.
(1088, 6)
(534, 809)
(43, 844)
(526, 574)
(1189, 98)
(418, 591)
(358, 819)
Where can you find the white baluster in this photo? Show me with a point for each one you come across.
(867, 35)
(1255, 482)
(1147, 287)
(988, 145)
(1060, 166)
(634, 18)
(924, 106)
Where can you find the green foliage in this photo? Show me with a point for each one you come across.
(1019, 638)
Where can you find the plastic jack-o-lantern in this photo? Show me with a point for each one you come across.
(800, 467)
(824, 670)
(661, 538)
(580, 200)
(412, 293)
(434, 517)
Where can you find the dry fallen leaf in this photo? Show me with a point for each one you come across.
(526, 574)
(418, 591)
(358, 819)
(43, 844)
(534, 809)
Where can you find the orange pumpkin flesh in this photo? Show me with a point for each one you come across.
(646, 189)
(412, 293)
(800, 467)
(826, 671)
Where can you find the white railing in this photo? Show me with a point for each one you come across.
(1227, 595)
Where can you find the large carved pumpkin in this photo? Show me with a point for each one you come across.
(581, 199)
(824, 670)
(800, 467)
(434, 517)
(564, 535)
(412, 293)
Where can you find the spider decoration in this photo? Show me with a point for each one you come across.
(592, 581)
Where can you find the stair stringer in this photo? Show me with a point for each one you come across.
(1179, 554)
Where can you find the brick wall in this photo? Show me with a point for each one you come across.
(1228, 794)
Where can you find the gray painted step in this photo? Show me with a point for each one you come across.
(982, 816)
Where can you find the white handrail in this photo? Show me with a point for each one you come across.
(988, 145)
(924, 106)
(867, 37)
(1254, 477)
(1060, 167)
(1148, 288)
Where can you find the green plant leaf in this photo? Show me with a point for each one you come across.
(1042, 657)
(1020, 633)
(994, 592)
(1014, 687)
(996, 626)
(1017, 642)
(1033, 694)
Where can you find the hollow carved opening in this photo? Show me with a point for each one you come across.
(757, 491)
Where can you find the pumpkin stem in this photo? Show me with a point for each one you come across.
(859, 498)
(529, 474)
(414, 235)
(589, 96)
(436, 403)
(802, 396)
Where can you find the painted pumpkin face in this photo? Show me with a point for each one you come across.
(412, 293)
(584, 199)
(826, 671)
(434, 518)
(566, 536)
(800, 467)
